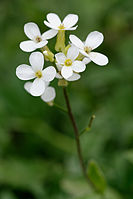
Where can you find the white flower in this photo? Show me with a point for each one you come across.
(55, 23)
(74, 76)
(93, 40)
(36, 71)
(36, 39)
(49, 92)
(86, 60)
(68, 63)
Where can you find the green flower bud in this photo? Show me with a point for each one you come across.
(60, 42)
(48, 55)
(63, 82)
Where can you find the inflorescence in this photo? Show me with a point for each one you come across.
(65, 65)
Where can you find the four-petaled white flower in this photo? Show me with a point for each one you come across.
(69, 63)
(55, 23)
(93, 40)
(74, 77)
(49, 92)
(36, 39)
(26, 72)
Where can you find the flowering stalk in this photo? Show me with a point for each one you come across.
(76, 133)
(75, 130)
(88, 126)
(60, 108)
(65, 65)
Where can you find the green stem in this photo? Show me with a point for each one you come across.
(60, 108)
(88, 126)
(76, 133)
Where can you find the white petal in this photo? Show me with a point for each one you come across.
(50, 25)
(37, 87)
(49, 73)
(53, 19)
(46, 84)
(31, 30)
(60, 58)
(78, 66)
(27, 86)
(66, 72)
(25, 72)
(70, 20)
(58, 76)
(74, 77)
(36, 60)
(76, 41)
(49, 94)
(72, 53)
(28, 46)
(41, 44)
(59, 67)
(98, 58)
(94, 39)
(73, 28)
(86, 60)
(83, 53)
(49, 34)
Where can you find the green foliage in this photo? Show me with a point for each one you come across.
(38, 156)
(96, 176)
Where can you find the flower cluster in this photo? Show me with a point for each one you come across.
(66, 63)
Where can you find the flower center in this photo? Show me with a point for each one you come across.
(38, 74)
(61, 27)
(87, 49)
(38, 39)
(68, 62)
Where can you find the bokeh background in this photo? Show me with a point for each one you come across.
(37, 149)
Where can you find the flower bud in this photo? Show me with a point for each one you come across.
(50, 103)
(48, 55)
(63, 82)
(80, 57)
(66, 49)
(60, 42)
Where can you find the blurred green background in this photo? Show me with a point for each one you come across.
(37, 149)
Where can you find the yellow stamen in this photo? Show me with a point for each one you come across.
(38, 39)
(68, 62)
(61, 27)
(87, 49)
(38, 74)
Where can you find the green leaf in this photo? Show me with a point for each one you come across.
(96, 176)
